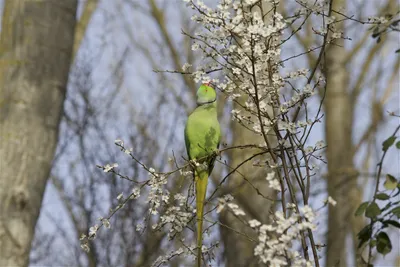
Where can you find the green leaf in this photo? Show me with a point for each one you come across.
(373, 210)
(398, 142)
(396, 211)
(364, 235)
(388, 143)
(392, 222)
(382, 196)
(383, 244)
(390, 183)
(361, 209)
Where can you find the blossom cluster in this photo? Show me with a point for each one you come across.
(276, 240)
(157, 192)
(176, 217)
(241, 42)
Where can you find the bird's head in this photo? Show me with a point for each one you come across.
(206, 94)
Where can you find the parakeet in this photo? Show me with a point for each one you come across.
(202, 138)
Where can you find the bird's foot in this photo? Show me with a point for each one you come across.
(217, 153)
(193, 163)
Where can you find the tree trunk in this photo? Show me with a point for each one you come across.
(338, 130)
(36, 45)
(239, 251)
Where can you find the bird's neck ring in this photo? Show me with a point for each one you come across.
(205, 103)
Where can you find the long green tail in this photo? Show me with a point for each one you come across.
(201, 179)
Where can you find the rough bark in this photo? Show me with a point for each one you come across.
(36, 45)
(338, 130)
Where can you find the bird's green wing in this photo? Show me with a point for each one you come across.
(187, 143)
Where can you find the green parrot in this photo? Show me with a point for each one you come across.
(202, 138)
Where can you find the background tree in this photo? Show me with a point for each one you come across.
(36, 45)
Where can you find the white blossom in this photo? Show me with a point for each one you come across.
(320, 144)
(85, 247)
(273, 182)
(128, 151)
(336, 35)
(186, 66)
(378, 20)
(110, 167)
(195, 47)
(330, 20)
(331, 201)
(165, 198)
(233, 97)
(235, 209)
(254, 223)
(135, 192)
(106, 223)
(119, 142)
(308, 213)
(139, 227)
(308, 150)
(223, 201)
(180, 198)
(93, 231)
